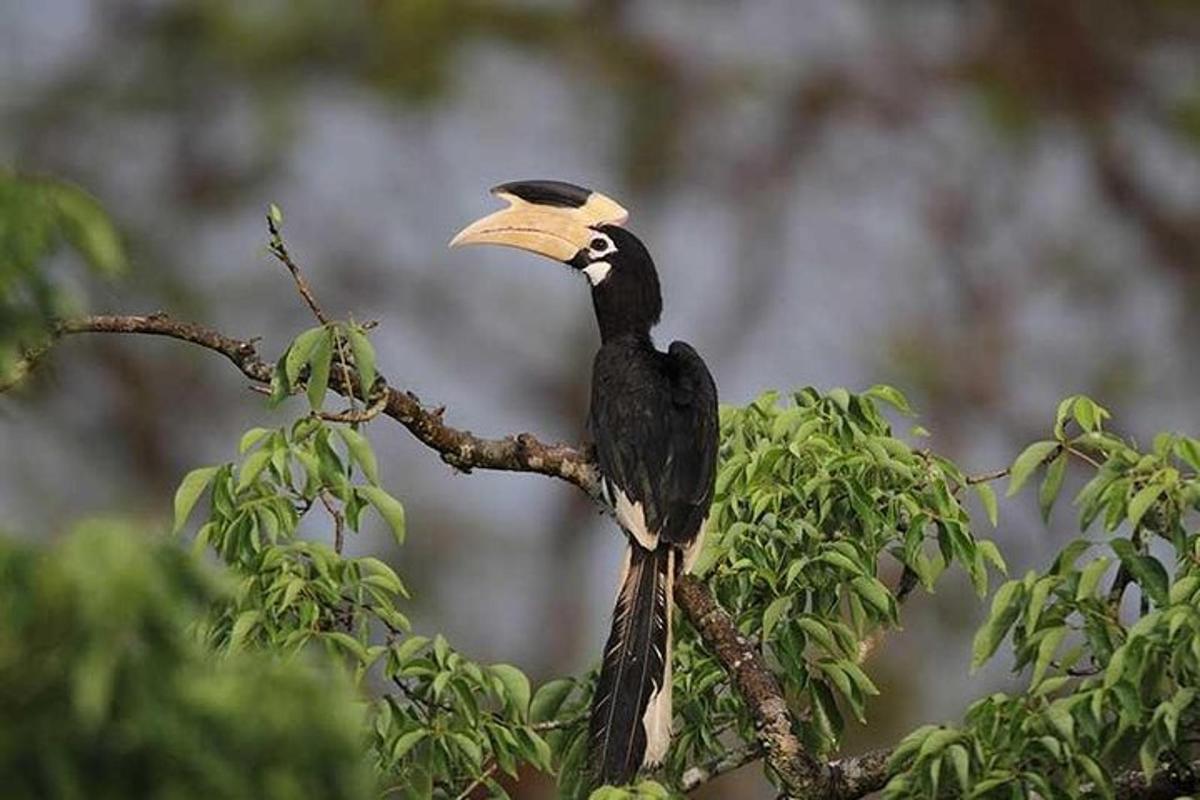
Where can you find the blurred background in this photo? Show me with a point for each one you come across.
(990, 205)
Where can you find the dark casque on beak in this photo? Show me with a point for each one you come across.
(550, 218)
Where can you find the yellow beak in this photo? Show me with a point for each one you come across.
(554, 231)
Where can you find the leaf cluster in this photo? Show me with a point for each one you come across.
(105, 692)
(439, 722)
(815, 498)
(1109, 634)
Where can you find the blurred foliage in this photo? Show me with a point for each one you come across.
(106, 693)
(1109, 633)
(37, 217)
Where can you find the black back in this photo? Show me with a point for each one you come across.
(654, 422)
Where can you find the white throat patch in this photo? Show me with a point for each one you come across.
(597, 272)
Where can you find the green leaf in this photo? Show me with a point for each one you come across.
(470, 747)
(1005, 608)
(241, 628)
(778, 607)
(407, 742)
(409, 648)
(1052, 485)
(910, 745)
(361, 452)
(1089, 415)
(1142, 501)
(860, 678)
(820, 633)
(987, 496)
(1151, 577)
(549, 699)
(1037, 601)
(1029, 460)
(1090, 576)
(300, 350)
(364, 357)
(189, 491)
(319, 361)
(89, 229)
(348, 643)
(252, 437)
(1183, 589)
(875, 593)
(381, 574)
(892, 396)
(962, 765)
(991, 554)
(1189, 451)
(1101, 783)
(516, 686)
(276, 215)
(1047, 647)
(280, 385)
(388, 507)
(251, 468)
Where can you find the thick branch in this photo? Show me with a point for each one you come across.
(798, 771)
(459, 448)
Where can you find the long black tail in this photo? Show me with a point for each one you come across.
(631, 710)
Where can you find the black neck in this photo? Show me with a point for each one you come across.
(628, 301)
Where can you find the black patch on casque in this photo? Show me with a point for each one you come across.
(546, 193)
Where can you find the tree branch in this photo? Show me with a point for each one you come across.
(459, 448)
(800, 774)
(737, 758)
(797, 770)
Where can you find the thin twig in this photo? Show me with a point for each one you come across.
(737, 758)
(279, 249)
(988, 477)
(558, 724)
(354, 415)
(341, 352)
(339, 521)
(1082, 456)
(475, 784)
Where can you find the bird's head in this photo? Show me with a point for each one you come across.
(582, 229)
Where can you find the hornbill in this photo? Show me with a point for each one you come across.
(653, 420)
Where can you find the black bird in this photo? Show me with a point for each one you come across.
(654, 423)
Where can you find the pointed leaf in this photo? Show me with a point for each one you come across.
(388, 507)
(361, 452)
(364, 357)
(1029, 460)
(189, 491)
(320, 362)
(516, 686)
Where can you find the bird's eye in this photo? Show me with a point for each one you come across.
(598, 244)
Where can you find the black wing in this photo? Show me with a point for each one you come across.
(654, 421)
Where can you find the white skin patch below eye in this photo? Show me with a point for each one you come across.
(597, 272)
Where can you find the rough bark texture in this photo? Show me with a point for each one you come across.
(459, 448)
(797, 770)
